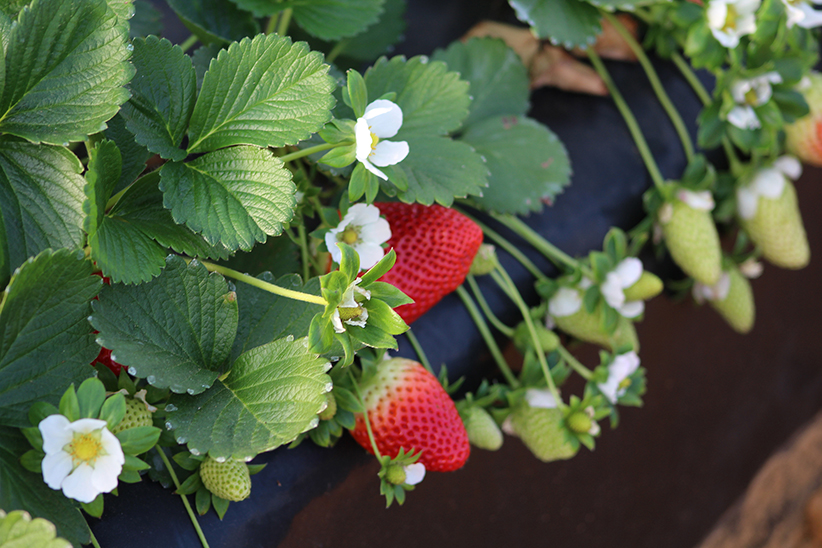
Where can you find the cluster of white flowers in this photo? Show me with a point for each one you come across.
(619, 371)
(749, 93)
(729, 20)
(768, 182)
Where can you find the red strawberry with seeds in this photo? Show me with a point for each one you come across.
(435, 247)
(409, 409)
(104, 357)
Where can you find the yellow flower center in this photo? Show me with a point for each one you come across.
(626, 382)
(730, 18)
(85, 448)
(374, 141)
(350, 236)
(349, 313)
(751, 97)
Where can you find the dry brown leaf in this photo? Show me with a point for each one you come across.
(553, 66)
(609, 44)
(521, 40)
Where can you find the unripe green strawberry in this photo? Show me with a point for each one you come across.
(580, 422)
(395, 474)
(693, 242)
(542, 431)
(777, 229)
(548, 340)
(484, 261)
(137, 414)
(738, 306)
(331, 408)
(228, 480)
(646, 287)
(483, 432)
(804, 137)
(588, 327)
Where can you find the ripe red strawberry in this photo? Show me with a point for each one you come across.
(409, 409)
(435, 247)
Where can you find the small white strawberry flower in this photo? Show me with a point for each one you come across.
(749, 93)
(627, 273)
(414, 473)
(717, 292)
(540, 397)
(802, 13)
(382, 119)
(82, 457)
(566, 301)
(702, 200)
(729, 20)
(349, 311)
(364, 230)
(595, 429)
(751, 268)
(768, 182)
(623, 366)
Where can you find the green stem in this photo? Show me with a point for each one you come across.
(271, 26)
(190, 41)
(501, 327)
(504, 280)
(116, 198)
(304, 250)
(630, 120)
(336, 50)
(365, 417)
(552, 252)
(418, 349)
(308, 151)
(94, 540)
(583, 371)
(191, 515)
(705, 97)
(284, 20)
(487, 337)
(508, 246)
(265, 286)
(653, 77)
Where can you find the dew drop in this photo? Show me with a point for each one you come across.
(150, 378)
(329, 386)
(290, 338)
(190, 391)
(170, 407)
(220, 459)
(324, 407)
(169, 426)
(130, 47)
(314, 422)
(195, 452)
(181, 440)
(132, 371)
(65, 143)
(423, 59)
(114, 358)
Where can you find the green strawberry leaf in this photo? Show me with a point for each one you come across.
(570, 23)
(41, 201)
(10, 8)
(266, 92)
(499, 81)
(336, 19)
(201, 59)
(46, 342)
(377, 39)
(176, 331)
(215, 21)
(279, 255)
(104, 167)
(134, 155)
(123, 9)
(528, 163)
(71, 92)
(265, 317)
(162, 96)
(147, 20)
(18, 529)
(24, 490)
(234, 196)
(272, 394)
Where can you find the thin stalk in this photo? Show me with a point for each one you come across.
(502, 278)
(265, 286)
(653, 77)
(308, 151)
(630, 120)
(418, 349)
(552, 252)
(94, 540)
(336, 50)
(284, 20)
(190, 41)
(501, 327)
(365, 417)
(271, 26)
(583, 371)
(507, 246)
(116, 198)
(304, 250)
(487, 337)
(191, 515)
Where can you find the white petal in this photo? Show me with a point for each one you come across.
(55, 467)
(611, 289)
(701, 292)
(609, 389)
(362, 214)
(84, 426)
(374, 170)
(370, 254)
(747, 7)
(739, 88)
(414, 473)
(384, 117)
(360, 320)
(376, 232)
(55, 432)
(632, 309)
(762, 88)
(717, 13)
(337, 322)
(769, 182)
(795, 15)
(540, 397)
(566, 301)
(665, 213)
(106, 471)
(789, 165)
(726, 39)
(702, 200)
(747, 201)
(331, 244)
(111, 445)
(744, 117)
(388, 153)
(620, 369)
(79, 485)
(362, 136)
(722, 287)
(629, 271)
(751, 268)
(746, 24)
(508, 426)
(812, 18)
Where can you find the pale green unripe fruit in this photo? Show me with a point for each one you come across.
(646, 287)
(331, 408)
(482, 430)
(137, 414)
(228, 480)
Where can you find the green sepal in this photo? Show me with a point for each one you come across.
(702, 48)
(107, 377)
(347, 400)
(95, 507)
(32, 461)
(130, 476)
(615, 245)
(255, 468)
(348, 348)
(338, 131)
(125, 382)
(382, 316)
(346, 419)
(341, 156)
(40, 410)
(711, 127)
(610, 319)
(113, 410)
(349, 263)
(135, 464)
(187, 461)
(69, 405)
(34, 436)
(358, 182)
(397, 176)
(357, 93)
(791, 103)
(90, 397)
(320, 435)
(372, 336)
(591, 298)
(136, 441)
(220, 505)
(191, 485)
(372, 188)
(202, 500)
(320, 334)
(389, 294)
(380, 269)
(601, 264)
